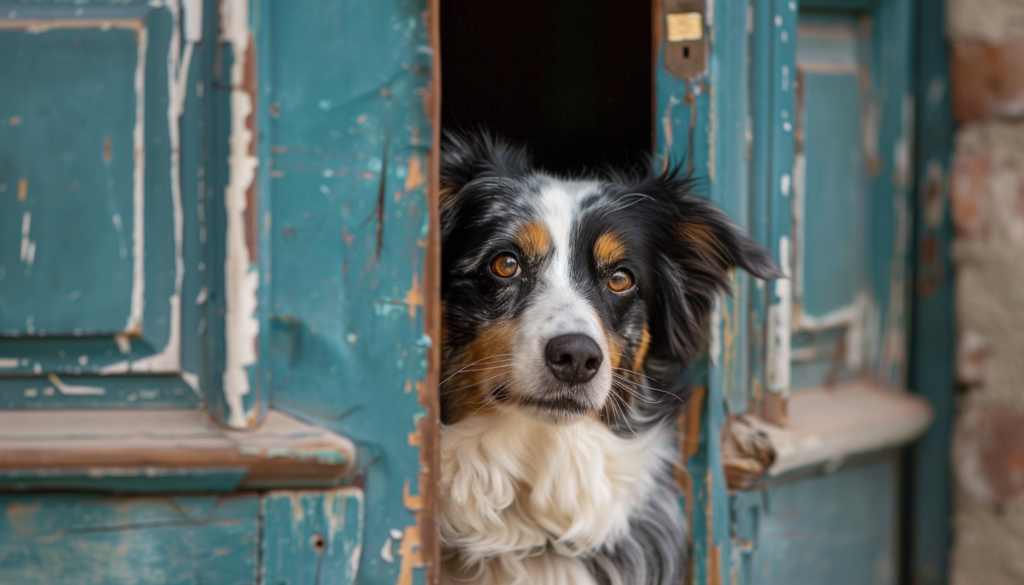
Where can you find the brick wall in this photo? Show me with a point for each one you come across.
(987, 198)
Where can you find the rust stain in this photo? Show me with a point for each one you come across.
(23, 517)
(14, 121)
(414, 175)
(689, 441)
(714, 564)
(414, 298)
(411, 554)
(22, 189)
(408, 386)
(108, 149)
(414, 439)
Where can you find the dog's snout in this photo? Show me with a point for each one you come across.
(574, 358)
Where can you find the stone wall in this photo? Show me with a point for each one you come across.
(987, 198)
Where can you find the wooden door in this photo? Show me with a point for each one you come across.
(218, 307)
(801, 115)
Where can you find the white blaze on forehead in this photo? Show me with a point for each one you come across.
(558, 206)
(558, 306)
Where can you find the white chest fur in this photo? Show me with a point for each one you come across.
(514, 490)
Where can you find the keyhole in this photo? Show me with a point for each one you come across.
(317, 541)
(686, 52)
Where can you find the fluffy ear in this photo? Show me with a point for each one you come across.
(465, 157)
(701, 247)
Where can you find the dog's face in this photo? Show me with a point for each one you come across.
(556, 291)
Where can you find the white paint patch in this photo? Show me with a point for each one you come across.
(784, 185)
(167, 360)
(715, 345)
(70, 390)
(385, 551)
(241, 277)
(7, 363)
(192, 380)
(780, 316)
(28, 247)
(31, 392)
(138, 301)
(119, 227)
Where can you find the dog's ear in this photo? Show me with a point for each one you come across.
(699, 247)
(465, 157)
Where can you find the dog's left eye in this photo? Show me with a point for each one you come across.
(620, 281)
(505, 266)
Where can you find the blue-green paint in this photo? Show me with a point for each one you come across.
(837, 528)
(133, 480)
(346, 310)
(59, 539)
(933, 328)
(97, 392)
(82, 204)
(312, 537)
(69, 154)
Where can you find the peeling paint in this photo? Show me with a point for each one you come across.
(73, 390)
(241, 277)
(779, 325)
(28, 247)
(138, 298)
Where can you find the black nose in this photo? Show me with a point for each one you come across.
(574, 358)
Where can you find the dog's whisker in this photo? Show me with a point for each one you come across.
(475, 363)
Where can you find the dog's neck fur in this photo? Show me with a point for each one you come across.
(521, 499)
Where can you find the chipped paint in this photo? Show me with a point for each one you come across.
(74, 390)
(167, 360)
(241, 276)
(8, 362)
(28, 247)
(138, 298)
(780, 324)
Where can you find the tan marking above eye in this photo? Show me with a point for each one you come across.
(505, 266)
(533, 239)
(620, 281)
(609, 248)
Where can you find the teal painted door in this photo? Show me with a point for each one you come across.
(219, 211)
(801, 117)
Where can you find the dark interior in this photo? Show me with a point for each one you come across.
(571, 79)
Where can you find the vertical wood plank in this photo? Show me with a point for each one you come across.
(70, 539)
(933, 327)
(311, 536)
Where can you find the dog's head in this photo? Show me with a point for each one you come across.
(556, 291)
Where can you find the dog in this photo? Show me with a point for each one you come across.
(571, 308)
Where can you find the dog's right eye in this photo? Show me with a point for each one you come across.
(505, 266)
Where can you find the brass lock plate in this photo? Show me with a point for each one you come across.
(684, 39)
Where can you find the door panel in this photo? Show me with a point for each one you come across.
(830, 198)
(100, 265)
(838, 528)
(59, 539)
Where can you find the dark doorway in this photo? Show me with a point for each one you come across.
(569, 78)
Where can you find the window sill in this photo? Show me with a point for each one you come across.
(826, 427)
(165, 450)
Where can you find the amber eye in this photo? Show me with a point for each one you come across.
(505, 266)
(620, 281)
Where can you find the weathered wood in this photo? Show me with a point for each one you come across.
(182, 540)
(826, 426)
(312, 537)
(107, 444)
